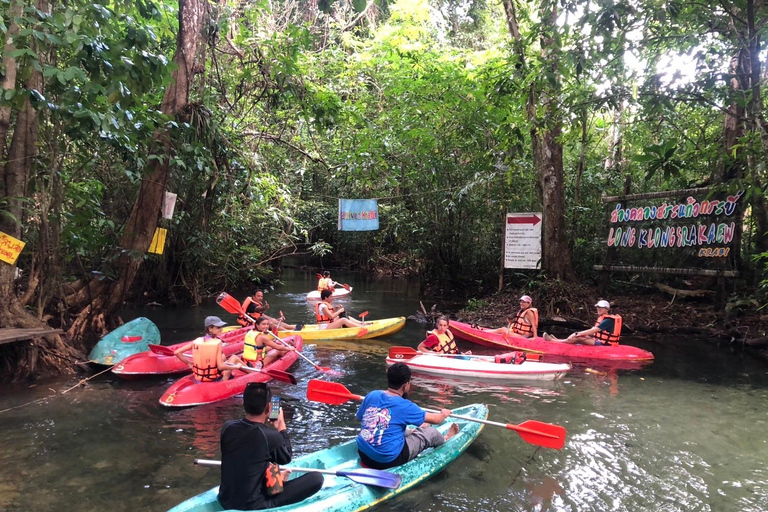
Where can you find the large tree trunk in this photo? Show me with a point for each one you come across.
(546, 129)
(101, 299)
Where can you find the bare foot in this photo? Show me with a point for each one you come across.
(547, 337)
(452, 431)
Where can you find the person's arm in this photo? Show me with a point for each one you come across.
(428, 344)
(275, 345)
(222, 361)
(179, 353)
(437, 418)
(280, 450)
(584, 334)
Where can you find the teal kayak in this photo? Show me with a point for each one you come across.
(340, 494)
(126, 340)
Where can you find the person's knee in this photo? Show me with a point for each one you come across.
(314, 482)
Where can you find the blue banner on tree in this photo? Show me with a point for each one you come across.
(358, 215)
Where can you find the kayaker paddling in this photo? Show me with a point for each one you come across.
(326, 283)
(207, 362)
(248, 447)
(255, 306)
(384, 442)
(259, 350)
(607, 329)
(440, 339)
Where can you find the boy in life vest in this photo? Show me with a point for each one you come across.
(607, 329)
(526, 321)
(207, 361)
(326, 283)
(255, 306)
(440, 340)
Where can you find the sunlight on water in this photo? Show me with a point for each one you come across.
(684, 433)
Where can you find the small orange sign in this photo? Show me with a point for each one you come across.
(10, 248)
(158, 241)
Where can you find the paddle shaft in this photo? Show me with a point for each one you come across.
(508, 426)
(317, 366)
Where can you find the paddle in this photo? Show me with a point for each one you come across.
(365, 476)
(410, 353)
(505, 334)
(531, 431)
(317, 366)
(343, 285)
(275, 374)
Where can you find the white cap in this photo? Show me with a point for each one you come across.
(526, 298)
(603, 304)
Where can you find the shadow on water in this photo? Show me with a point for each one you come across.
(683, 433)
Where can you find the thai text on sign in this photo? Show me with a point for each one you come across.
(10, 248)
(522, 240)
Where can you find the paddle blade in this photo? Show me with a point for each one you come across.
(229, 303)
(160, 350)
(374, 477)
(319, 276)
(347, 287)
(402, 353)
(281, 376)
(363, 332)
(330, 393)
(541, 434)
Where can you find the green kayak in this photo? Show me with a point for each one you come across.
(126, 340)
(340, 494)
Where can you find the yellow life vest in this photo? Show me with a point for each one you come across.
(325, 283)
(251, 351)
(611, 338)
(205, 362)
(447, 344)
(521, 327)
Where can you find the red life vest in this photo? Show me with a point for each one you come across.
(611, 338)
(447, 345)
(249, 307)
(205, 365)
(519, 326)
(321, 317)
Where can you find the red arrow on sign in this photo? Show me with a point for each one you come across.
(530, 219)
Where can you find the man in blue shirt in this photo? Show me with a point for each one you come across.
(383, 441)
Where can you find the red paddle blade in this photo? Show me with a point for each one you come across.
(319, 276)
(347, 287)
(541, 434)
(229, 303)
(402, 353)
(161, 350)
(330, 393)
(281, 376)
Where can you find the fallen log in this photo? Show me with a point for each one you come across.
(677, 292)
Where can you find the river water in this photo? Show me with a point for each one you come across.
(687, 432)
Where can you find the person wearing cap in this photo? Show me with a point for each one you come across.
(384, 440)
(526, 321)
(207, 361)
(607, 329)
(248, 447)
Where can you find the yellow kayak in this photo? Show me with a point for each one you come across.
(383, 327)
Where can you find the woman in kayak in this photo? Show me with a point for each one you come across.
(207, 362)
(330, 316)
(260, 350)
(255, 306)
(440, 339)
(326, 283)
(526, 321)
(607, 329)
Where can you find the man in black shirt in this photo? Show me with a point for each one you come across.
(247, 448)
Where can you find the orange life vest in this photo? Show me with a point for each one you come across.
(253, 353)
(611, 338)
(325, 283)
(322, 318)
(252, 305)
(447, 345)
(205, 363)
(519, 326)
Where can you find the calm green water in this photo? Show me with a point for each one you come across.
(685, 433)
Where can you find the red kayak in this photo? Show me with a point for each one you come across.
(159, 360)
(482, 336)
(187, 392)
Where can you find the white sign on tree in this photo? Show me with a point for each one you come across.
(522, 240)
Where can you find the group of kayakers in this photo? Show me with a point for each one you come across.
(606, 331)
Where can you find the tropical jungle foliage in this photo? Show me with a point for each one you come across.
(450, 112)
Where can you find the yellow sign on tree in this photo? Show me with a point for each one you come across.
(10, 248)
(158, 241)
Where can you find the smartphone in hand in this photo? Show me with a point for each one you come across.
(275, 408)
